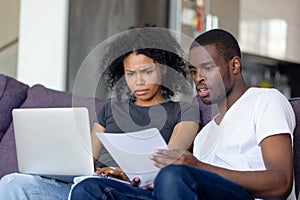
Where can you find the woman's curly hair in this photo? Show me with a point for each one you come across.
(155, 43)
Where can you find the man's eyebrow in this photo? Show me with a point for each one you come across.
(203, 64)
(191, 66)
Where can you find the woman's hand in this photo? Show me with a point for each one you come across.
(136, 181)
(114, 172)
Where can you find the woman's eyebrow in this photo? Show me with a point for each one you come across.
(128, 70)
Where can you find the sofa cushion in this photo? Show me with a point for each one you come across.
(12, 95)
(8, 155)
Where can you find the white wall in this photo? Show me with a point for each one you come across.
(256, 21)
(43, 42)
(9, 33)
(227, 12)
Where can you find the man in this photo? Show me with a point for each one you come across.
(244, 152)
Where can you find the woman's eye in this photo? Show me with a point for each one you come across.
(148, 72)
(129, 74)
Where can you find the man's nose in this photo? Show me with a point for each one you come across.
(199, 76)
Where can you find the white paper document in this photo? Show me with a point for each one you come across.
(132, 150)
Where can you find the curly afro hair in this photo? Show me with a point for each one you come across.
(155, 43)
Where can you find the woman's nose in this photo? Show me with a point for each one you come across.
(140, 79)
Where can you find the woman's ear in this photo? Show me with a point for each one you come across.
(163, 69)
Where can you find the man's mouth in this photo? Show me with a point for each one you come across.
(202, 91)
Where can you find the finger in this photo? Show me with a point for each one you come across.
(175, 153)
(148, 187)
(161, 162)
(151, 186)
(135, 182)
(102, 171)
(161, 159)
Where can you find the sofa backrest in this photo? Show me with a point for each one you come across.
(37, 96)
(12, 94)
(296, 106)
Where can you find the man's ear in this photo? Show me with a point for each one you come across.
(236, 65)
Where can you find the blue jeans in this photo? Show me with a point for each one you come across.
(103, 188)
(20, 187)
(190, 183)
(173, 182)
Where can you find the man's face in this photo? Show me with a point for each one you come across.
(211, 74)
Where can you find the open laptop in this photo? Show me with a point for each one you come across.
(53, 142)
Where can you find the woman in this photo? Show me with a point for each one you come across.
(152, 76)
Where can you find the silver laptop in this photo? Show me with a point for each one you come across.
(53, 142)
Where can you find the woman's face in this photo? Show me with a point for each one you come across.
(143, 78)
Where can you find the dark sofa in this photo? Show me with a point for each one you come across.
(15, 94)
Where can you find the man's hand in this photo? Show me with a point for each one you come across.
(163, 157)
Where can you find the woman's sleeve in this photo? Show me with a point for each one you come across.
(103, 114)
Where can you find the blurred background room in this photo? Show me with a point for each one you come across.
(47, 41)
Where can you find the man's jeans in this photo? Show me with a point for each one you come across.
(172, 183)
(22, 187)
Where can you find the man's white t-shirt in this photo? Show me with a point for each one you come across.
(235, 142)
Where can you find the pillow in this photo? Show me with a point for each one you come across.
(12, 95)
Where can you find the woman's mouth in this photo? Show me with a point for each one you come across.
(140, 92)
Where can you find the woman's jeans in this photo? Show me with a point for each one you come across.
(173, 182)
(29, 187)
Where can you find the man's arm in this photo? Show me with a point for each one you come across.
(274, 182)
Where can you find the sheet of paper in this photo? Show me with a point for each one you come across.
(132, 150)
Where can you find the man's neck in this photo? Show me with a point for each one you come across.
(226, 104)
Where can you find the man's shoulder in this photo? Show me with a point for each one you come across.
(265, 93)
(263, 90)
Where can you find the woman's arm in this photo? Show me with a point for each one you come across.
(115, 172)
(183, 135)
(96, 144)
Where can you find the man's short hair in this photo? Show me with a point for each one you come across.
(225, 43)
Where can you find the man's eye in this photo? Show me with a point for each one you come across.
(208, 67)
(193, 71)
